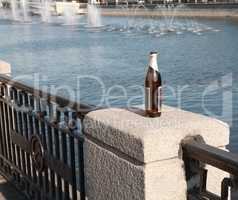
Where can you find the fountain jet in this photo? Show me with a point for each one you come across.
(24, 8)
(94, 14)
(70, 13)
(15, 14)
(45, 11)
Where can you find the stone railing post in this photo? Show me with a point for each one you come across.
(5, 68)
(130, 157)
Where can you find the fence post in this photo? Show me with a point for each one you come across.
(130, 157)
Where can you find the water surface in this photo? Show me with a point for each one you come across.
(198, 60)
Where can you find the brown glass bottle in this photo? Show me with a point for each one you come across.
(153, 88)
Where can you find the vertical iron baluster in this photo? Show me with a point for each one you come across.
(27, 134)
(37, 131)
(73, 127)
(44, 142)
(73, 167)
(81, 169)
(12, 125)
(1, 132)
(21, 129)
(8, 127)
(57, 153)
(81, 159)
(4, 122)
(16, 125)
(65, 153)
(226, 183)
(3, 148)
(51, 150)
(15, 128)
(22, 133)
(31, 131)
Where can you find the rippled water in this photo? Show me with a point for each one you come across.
(198, 60)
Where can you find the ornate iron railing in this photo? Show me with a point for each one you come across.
(41, 142)
(41, 147)
(196, 155)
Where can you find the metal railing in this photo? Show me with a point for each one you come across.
(41, 142)
(41, 147)
(196, 155)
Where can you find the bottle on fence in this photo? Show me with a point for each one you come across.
(153, 88)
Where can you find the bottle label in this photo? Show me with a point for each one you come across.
(159, 98)
(148, 99)
(152, 101)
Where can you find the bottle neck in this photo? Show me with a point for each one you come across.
(153, 62)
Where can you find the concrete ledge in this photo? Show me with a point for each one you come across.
(183, 13)
(148, 140)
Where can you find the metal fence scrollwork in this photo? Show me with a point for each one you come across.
(41, 142)
(37, 153)
(41, 147)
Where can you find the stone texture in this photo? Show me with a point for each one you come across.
(5, 68)
(130, 157)
(165, 180)
(153, 139)
(109, 177)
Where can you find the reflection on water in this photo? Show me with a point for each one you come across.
(198, 60)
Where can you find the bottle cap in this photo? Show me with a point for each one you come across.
(153, 52)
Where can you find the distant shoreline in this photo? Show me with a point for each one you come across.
(188, 13)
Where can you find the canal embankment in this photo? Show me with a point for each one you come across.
(181, 12)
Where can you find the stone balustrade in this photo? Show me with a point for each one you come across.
(131, 157)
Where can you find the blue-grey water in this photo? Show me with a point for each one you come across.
(198, 61)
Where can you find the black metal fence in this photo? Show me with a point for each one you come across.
(196, 155)
(41, 142)
(41, 147)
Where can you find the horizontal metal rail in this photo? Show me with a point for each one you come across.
(206, 154)
(218, 158)
(81, 108)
